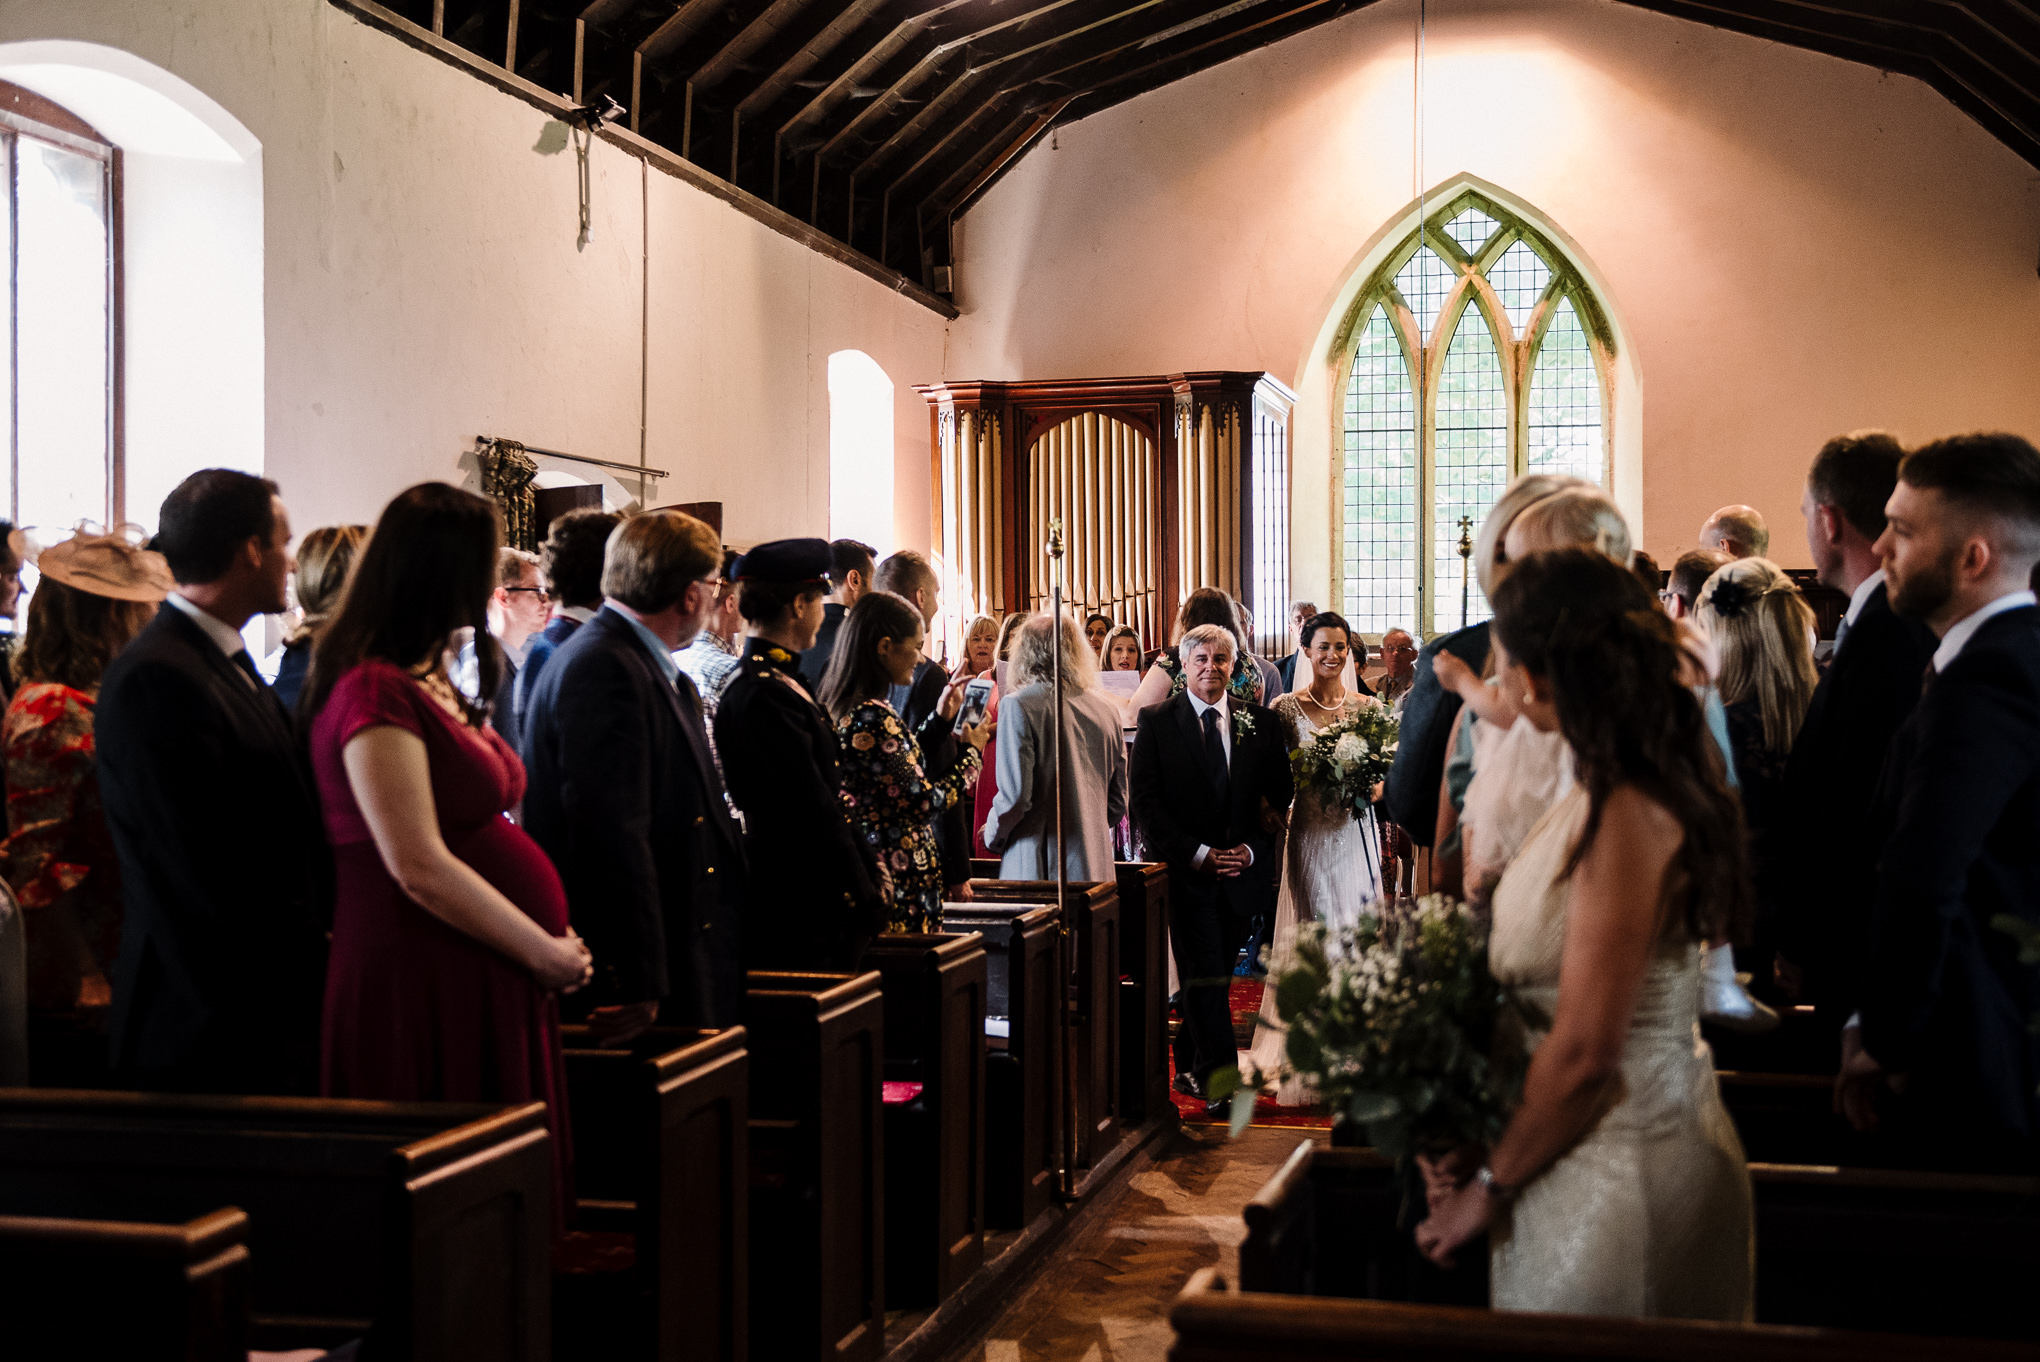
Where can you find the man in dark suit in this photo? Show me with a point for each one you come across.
(1942, 1054)
(226, 879)
(624, 794)
(1209, 783)
(850, 569)
(570, 560)
(1299, 612)
(1815, 888)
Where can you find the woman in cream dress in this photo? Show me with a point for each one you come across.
(1619, 1186)
(1332, 863)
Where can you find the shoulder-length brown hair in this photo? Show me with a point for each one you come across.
(855, 674)
(73, 635)
(425, 574)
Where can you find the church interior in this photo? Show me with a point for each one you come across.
(1098, 301)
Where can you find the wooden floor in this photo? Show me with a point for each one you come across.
(1105, 1296)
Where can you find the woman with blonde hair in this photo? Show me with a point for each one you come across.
(1018, 827)
(324, 558)
(1121, 652)
(980, 646)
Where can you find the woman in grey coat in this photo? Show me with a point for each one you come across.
(1093, 761)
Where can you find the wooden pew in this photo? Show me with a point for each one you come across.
(1216, 1324)
(1919, 1253)
(1092, 912)
(92, 1289)
(817, 1160)
(1144, 1015)
(1023, 1067)
(934, 988)
(1790, 1118)
(1804, 1043)
(430, 1223)
(661, 1153)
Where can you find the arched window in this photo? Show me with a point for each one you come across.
(860, 450)
(1474, 353)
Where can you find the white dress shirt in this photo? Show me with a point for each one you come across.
(1860, 597)
(225, 635)
(1198, 707)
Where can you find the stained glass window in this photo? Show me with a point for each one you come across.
(1418, 457)
(1380, 483)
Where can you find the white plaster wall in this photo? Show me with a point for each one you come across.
(421, 283)
(1797, 245)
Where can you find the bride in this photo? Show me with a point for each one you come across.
(1619, 1186)
(1333, 861)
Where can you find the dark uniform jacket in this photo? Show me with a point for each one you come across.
(1428, 717)
(815, 901)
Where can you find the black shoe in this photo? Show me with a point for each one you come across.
(1219, 1108)
(1187, 1084)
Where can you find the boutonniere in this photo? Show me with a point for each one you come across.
(1242, 723)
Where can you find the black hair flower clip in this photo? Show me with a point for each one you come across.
(1730, 597)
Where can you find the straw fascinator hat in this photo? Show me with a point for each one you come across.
(113, 565)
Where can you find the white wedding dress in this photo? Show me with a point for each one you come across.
(1331, 869)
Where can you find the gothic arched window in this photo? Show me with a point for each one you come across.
(1475, 353)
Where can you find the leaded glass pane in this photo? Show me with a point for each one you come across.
(1471, 230)
(1471, 463)
(1565, 401)
(1519, 278)
(1380, 549)
(1423, 283)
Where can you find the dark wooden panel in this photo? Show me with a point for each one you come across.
(1144, 959)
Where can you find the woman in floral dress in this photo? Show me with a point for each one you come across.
(892, 791)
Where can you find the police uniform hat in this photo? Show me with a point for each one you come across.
(784, 561)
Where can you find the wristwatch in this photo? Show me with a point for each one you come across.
(1497, 1193)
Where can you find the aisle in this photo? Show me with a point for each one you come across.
(1245, 1005)
(1105, 1297)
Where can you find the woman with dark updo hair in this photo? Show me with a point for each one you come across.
(1619, 1186)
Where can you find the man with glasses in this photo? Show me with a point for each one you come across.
(624, 794)
(712, 659)
(1399, 659)
(517, 611)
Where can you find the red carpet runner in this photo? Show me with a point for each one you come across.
(1246, 1005)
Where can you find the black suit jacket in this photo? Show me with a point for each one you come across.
(625, 798)
(1427, 719)
(814, 903)
(226, 879)
(1817, 879)
(1176, 809)
(815, 660)
(1944, 997)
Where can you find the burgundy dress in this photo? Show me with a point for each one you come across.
(417, 1010)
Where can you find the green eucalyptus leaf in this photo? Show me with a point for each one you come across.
(1242, 1112)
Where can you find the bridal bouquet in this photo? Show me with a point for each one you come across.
(1343, 761)
(1395, 1021)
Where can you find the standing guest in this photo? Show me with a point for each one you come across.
(1166, 679)
(13, 545)
(450, 932)
(518, 610)
(1738, 531)
(1399, 668)
(1300, 614)
(1815, 888)
(226, 881)
(1763, 629)
(1647, 571)
(1122, 650)
(850, 567)
(570, 559)
(1943, 1054)
(815, 900)
(324, 558)
(624, 792)
(1271, 675)
(1096, 627)
(892, 794)
(94, 597)
(1209, 784)
(924, 702)
(1019, 827)
(980, 646)
(1690, 570)
(1007, 627)
(1430, 711)
(711, 659)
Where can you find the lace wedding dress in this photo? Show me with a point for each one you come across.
(1331, 870)
(1649, 1214)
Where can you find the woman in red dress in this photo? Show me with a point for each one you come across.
(450, 933)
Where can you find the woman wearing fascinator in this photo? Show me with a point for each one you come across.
(96, 592)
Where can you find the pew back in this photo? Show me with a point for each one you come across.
(177, 1292)
(1143, 956)
(1023, 1068)
(431, 1220)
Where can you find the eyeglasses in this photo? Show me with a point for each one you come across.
(534, 590)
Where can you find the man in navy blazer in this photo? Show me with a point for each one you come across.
(624, 794)
(1941, 1053)
(1209, 782)
(226, 879)
(1815, 888)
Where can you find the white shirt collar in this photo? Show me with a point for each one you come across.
(1964, 629)
(1860, 597)
(1198, 707)
(224, 635)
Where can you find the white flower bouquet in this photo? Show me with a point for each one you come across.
(1344, 761)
